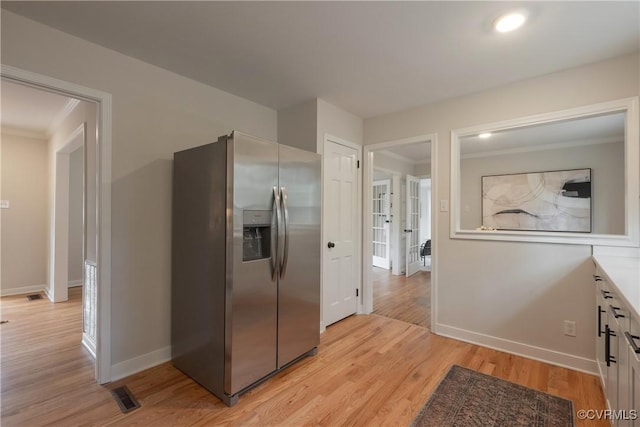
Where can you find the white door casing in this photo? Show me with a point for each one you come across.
(340, 231)
(412, 231)
(103, 190)
(59, 233)
(367, 283)
(381, 221)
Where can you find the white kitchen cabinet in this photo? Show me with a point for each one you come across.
(617, 340)
(613, 326)
(601, 320)
(633, 386)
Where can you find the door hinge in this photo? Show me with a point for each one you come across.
(358, 164)
(357, 292)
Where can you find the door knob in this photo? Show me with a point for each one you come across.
(331, 245)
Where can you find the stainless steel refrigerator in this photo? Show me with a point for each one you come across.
(245, 296)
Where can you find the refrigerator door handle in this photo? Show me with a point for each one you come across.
(285, 222)
(275, 262)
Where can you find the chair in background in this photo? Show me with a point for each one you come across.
(425, 250)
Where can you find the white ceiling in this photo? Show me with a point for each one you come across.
(370, 58)
(32, 111)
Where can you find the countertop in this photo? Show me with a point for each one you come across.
(624, 274)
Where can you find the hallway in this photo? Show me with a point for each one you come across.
(402, 298)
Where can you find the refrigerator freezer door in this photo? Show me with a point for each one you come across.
(198, 264)
(251, 296)
(299, 287)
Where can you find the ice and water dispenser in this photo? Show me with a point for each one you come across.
(256, 235)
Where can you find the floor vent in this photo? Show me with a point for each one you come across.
(125, 399)
(34, 297)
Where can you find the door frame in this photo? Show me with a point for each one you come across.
(358, 238)
(367, 257)
(103, 194)
(59, 234)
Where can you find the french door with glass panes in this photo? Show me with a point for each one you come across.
(381, 221)
(412, 230)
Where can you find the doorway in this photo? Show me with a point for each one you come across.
(403, 290)
(36, 128)
(99, 150)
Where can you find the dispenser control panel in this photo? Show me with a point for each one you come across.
(256, 235)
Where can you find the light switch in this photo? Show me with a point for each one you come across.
(4, 204)
(444, 206)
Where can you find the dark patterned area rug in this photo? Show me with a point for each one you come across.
(468, 398)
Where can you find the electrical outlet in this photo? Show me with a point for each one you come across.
(570, 328)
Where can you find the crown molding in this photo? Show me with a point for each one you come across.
(25, 133)
(68, 108)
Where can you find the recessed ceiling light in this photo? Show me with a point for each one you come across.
(509, 22)
(484, 135)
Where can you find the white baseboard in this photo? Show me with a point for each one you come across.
(525, 350)
(48, 293)
(140, 363)
(74, 283)
(22, 290)
(89, 344)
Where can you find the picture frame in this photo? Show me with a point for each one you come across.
(558, 200)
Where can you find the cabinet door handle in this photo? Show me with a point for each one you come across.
(597, 278)
(608, 332)
(614, 312)
(600, 311)
(605, 294)
(631, 340)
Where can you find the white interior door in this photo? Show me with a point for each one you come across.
(381, 222)
(340, 232)
(412, 226)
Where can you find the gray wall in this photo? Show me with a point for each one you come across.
(24, 180)
(337, 122)
(155, 113)
(305, 125)
(509, 294)
(297, 126)
(607, 175)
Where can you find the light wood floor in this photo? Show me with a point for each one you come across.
(370, 371)
(402, 298)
